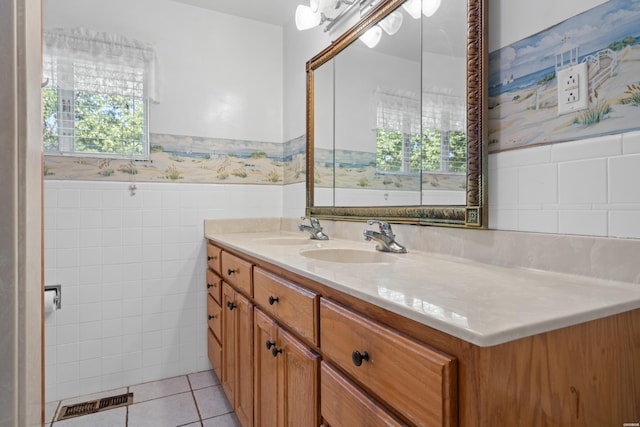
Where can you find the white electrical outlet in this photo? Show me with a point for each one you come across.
(573, 88)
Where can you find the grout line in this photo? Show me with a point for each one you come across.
(194, 399)
(126, 415)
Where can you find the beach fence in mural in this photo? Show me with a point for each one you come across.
(523, 94)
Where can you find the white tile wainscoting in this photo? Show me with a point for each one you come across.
(587, 187)
(132, 275)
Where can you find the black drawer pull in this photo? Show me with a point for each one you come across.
(231, 271)
(273, 300)
(231, 305)
(209, 257)
(358, 357)
(211, 317)
(270, 344)
(275, 351)
(209, 286)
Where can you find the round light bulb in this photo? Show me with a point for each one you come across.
(413, 8)
(305, 18)
(372, 36)
(429, 7)
(392, 23)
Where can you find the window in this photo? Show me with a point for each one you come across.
(96, 96)
(415, 136)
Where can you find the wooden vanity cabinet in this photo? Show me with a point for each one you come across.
(237, 352)
(286, 377)
(584, 375)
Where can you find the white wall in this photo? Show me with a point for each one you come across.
(220, 75)
(132, 267)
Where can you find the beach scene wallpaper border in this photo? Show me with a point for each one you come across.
(191, 159)
(523, 96)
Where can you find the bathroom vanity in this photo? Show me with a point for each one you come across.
(333, 333)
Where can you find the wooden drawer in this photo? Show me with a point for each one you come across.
(344, 404)
(213, 257)
(237, 272)
(214, 351)
(214, 285)
(214, 316)
(295, 307)
(415, 380)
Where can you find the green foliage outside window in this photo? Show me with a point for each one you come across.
(102, 123)
(389, 153)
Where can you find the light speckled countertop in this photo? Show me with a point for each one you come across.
(479, 303)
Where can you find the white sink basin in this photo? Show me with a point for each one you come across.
(348, 256)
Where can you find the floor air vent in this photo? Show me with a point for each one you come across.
(84, 408)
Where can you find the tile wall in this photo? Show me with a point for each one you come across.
(132, 274)
(587, 187)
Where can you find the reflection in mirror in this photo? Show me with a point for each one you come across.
(377, 161)
(402, 139)
(444, 107)
(324, 171)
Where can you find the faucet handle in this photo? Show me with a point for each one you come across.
(385, 227)
(314, 221)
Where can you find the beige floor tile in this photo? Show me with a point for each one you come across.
(50, 410)
(171, 411)
(227, 420)
(110, 418)
(212, 402)
(162, 388)
(203, 379)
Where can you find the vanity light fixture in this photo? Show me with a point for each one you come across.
(372, 36)
(392, 23)
(415, 8)
(429, 7)
(315, 14)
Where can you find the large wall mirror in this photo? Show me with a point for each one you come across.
(395, 131)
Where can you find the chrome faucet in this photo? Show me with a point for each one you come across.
(385, 238)
(314, 230)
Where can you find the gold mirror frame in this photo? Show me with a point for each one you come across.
(474, 213)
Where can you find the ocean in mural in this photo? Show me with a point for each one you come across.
(523, 96)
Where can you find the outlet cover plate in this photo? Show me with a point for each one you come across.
(573, 88)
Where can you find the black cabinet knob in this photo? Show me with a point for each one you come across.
(273, 300)
(358, 357)
(209, 257)
(211, 317)
(270, 344)
(231, 271)
(231, 305)
(209, 286)
(275, 351)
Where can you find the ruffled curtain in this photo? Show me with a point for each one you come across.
(104, 63)
(404, 111)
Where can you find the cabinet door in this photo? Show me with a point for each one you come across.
(345, 404)
(244, 360)
(228, 343)
(214, 351)
(298, 383)
(266, 371)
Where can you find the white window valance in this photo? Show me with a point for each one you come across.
(407, 112)
(109, 57)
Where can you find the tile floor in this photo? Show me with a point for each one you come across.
(190, 400)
